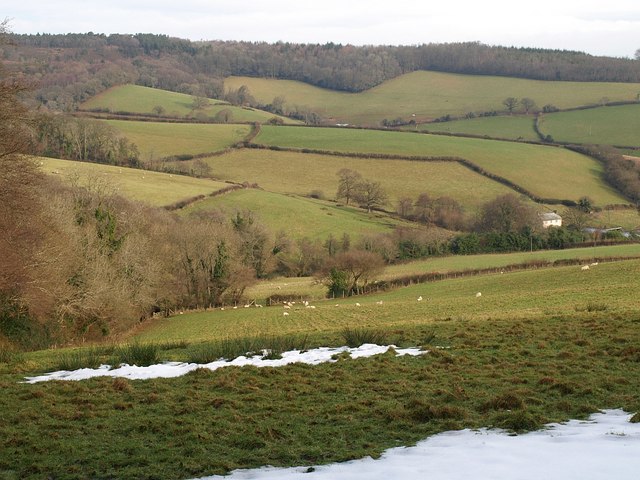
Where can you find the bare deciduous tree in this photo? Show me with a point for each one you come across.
(348, 181)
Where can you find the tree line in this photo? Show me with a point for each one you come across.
(72, 67)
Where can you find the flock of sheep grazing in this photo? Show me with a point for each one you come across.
(289, 305)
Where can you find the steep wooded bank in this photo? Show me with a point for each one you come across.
(70, 68)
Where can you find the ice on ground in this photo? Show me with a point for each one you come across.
(177, 369)
(605, 447)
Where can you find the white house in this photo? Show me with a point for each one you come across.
(550, 219)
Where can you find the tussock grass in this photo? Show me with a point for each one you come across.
(88, 357)
(228, 349)
(354, 337)
(136, 353)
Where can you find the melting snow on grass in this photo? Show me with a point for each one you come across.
(176, 369)
(605, 447)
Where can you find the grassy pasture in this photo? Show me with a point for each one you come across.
(429, 95)
(157, 140)
(627, 219)
(300, 217)
(142, 100)
(537, 347)
(456, 263)
(154, 188)
(524, 294)
(517, 127)
(308, 287)
(297, 173)
(619, 125)
(545, 171)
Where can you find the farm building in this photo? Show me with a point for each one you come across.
(550, 219)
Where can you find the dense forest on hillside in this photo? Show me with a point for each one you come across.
(70, 68)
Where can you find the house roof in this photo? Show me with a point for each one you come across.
(550, 216)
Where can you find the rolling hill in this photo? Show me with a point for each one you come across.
(548, 172)
(156, 140)
(300, 217)
(153, 188)
(424, 96)
(611, 125)
(300, 174)
(136, 99)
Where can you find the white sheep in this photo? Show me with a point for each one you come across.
(357, 304)
(594, 264)
(420, 298)
(379, 302)
(311, 306)
(584, 267)
(285, 314)
(287, 306)
(479, 294)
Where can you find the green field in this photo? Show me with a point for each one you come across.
(545, 171)
(158, 140)
(300, 217)
(515, 127)
(289, 172)
(153, 188)
(460, 263)
(618, 125)
(627, 219)
(429, 95)
(308, 287)
(536, 294)
(142, 100)
(537, 347)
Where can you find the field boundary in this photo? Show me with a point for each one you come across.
(190, 201)
(416, 158)
(416, 279)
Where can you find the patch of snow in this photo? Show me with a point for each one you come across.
(605, 447)
(177, 369)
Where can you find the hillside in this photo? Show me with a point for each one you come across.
(153, 188)
(611, 125)
(512, 127)
(423, 96)
(300, 174)
(545, 171)
(77, 66)
(300, 217)
(156, 140)
(136, 99)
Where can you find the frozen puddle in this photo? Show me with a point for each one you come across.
(604, 448)
(176, 369)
